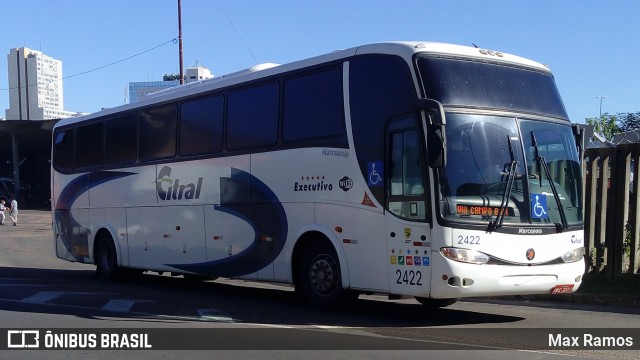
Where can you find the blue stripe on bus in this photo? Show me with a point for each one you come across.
(73, 235)
(263, 212)
(82, 184)
(269, 221)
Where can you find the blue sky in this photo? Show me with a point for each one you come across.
(593, 47)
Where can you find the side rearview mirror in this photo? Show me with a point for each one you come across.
(436, 132)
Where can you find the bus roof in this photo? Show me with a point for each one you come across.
(437, 48)
(405, 49)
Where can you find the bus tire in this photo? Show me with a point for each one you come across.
(319, 279)
(106, 257)
(435, 303)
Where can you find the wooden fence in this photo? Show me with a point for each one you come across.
(612, 219)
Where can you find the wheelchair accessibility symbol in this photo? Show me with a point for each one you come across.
(375, 172)
(539, 206)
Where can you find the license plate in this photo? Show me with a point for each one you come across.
(562, 289)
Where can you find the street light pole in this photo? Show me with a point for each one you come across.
(601, 98)
(180, 40)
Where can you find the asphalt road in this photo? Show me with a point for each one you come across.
(237, 319)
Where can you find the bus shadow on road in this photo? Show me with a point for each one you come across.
(154, 298)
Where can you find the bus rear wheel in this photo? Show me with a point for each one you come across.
(319, 278)
(106, 258)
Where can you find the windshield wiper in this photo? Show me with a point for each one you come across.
(511, 179)
(541, 162)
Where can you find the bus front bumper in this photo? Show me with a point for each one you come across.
(456, 279)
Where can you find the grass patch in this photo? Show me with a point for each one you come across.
(600, 284)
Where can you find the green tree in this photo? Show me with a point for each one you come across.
(629, 121)
(607, 125)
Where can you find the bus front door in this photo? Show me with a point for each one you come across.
(408, 232)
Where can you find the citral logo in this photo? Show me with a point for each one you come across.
(175, 190)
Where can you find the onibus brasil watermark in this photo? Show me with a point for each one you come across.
(37, 339)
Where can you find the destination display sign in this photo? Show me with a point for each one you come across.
(464, 209)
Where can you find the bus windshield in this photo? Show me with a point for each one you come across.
(522, 171)
(470, 83)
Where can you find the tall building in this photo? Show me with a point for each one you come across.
(35, 86)
(139, 89)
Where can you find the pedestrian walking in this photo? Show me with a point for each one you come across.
(13, 210)
(2, 210)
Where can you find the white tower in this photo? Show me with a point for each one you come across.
(35, 86)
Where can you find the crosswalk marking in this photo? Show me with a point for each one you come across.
(213, 315)
(121, 305)
(46, 296)
(117, 305)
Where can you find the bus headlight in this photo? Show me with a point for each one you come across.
(573, 255)
(464, 255)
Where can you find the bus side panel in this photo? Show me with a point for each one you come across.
(303, 177)
(76, 192)
(292, 180)
(229, 230)
(226, 235)
(183, 235)
(70, 244)
(131, 187)
(61, 249)
(182, 189)
(299, 216)
(82, 233)
(262, 216)
(72, 231)
(363, 242)
(145, 226)
(310, 175)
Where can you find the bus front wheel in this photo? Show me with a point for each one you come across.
(319, 278)
(106, 258)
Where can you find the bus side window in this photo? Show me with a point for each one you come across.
(121, 134)
(313, 106)
(64, 149)
(158, 128)
(252, 116)
(89, 142)
(201, 126)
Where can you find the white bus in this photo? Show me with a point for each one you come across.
(411, 169)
